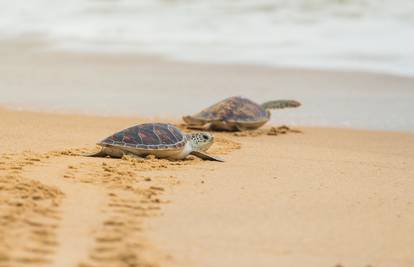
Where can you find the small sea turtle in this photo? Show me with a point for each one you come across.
(236, 114)
(158, 139)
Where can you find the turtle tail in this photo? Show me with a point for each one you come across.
(279, 104)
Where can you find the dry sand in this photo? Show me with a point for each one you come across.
(323, 197)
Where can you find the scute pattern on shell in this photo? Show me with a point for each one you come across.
(235, 109)
(148, 136)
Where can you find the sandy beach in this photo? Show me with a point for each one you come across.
(323, 197)
(314, 197)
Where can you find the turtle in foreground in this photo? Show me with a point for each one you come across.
(236, 114)
(158, 139)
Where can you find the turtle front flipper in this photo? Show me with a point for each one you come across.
(279, 104)
(205, 156)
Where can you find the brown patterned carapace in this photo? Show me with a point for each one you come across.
(148, 136)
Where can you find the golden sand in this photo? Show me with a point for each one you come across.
(307, 197)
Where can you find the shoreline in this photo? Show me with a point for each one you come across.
(323, 197)
(176, 120)
(33, 76)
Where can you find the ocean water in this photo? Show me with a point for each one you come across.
(367, 35)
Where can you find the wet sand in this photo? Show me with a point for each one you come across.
(323, 197)
(32, 76)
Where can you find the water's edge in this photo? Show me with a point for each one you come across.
(36, 78)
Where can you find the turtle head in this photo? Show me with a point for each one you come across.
(201, 141)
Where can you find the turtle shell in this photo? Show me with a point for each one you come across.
(234, 109)
(148, 136)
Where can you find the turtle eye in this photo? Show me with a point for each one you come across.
(205, 137)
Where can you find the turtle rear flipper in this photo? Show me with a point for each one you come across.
(196, 124)
(279, 104)
(198, 127)
(193, 121)
(99, 153)
(206, 156)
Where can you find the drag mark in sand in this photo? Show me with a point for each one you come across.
(80, 210)
(119, 239)
(58, 210)
(29, 214)
(132, 197)
(61, 209)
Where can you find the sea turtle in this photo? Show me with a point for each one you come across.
(236, 114)
(158, 139)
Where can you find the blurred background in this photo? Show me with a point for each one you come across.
(337, 36)
(374, 35)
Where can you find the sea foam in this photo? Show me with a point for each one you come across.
(368, 35)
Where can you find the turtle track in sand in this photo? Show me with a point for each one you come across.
(79, 209)
(57, 210)
(119, 239)
(60, 209)
(29, 214)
